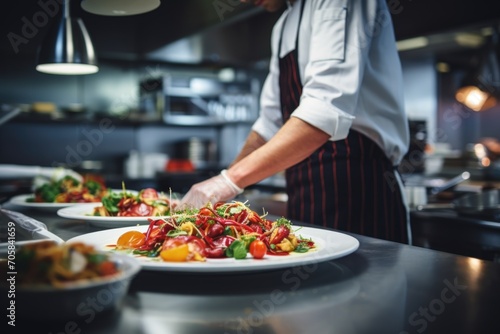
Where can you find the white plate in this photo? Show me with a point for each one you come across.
(84, 212)
(329, 245)
(20, 200)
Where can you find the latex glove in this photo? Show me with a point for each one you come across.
(216, 189)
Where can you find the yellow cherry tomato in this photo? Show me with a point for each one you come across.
(175, 254)
(130, 239)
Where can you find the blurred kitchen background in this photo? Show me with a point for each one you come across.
(183, 81)
(177, 90)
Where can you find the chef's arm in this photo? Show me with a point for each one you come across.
(252, 143)
(294, 142)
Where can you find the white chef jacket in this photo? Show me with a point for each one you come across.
(350, 72)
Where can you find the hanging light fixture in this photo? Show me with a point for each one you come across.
(67, 48)
(119, 7)
(480, 89)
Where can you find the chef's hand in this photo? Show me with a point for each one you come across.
(216, 189)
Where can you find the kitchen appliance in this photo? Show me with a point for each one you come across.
(119, 7)
(197, 100)
(414, 160)
(483, 205)
(468, 225)
(199, 151)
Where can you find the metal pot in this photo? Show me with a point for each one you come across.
(485, 202)
(201, 152)
(417, 194)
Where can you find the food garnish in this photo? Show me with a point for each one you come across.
(221, 230)
(148, 202)
(70, 190)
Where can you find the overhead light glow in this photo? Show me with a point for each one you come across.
(469, 40)
(480, 89)
(67, 49)
(412, 43)
(474, 98)
(119, 7)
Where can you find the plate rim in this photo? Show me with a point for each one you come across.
(321, 255)
(20, 200)
(102, 220)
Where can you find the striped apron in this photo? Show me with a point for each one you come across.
(345, 184)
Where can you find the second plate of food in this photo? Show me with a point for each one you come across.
(85, 212)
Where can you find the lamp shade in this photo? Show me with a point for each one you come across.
(67, 48)
(480, 89)
(119, 7)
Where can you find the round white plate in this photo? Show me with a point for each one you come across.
(21, 200)
(329, 245)
(84, 212)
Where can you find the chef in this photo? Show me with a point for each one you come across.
(331, 117)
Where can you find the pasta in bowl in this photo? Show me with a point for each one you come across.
(56, 282)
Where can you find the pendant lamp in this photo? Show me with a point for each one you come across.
(480, 89)
(119, 7)
(67, 48)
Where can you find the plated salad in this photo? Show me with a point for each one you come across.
(147, 202)
(70, 190)
(222, 230)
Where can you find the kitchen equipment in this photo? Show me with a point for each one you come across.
(482, 204)
(199, 151)
(418, 193)
(119, 7)
(450, 183)
(414, 159)
(416, 196)
(194, 100)
(4, 118)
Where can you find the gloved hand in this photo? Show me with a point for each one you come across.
(216, 189)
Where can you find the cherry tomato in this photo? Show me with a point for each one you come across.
(175, 254)
(107, 268)
(137, 210)
(130, 239)
(174, 242)
(258, 249)
(148, 195)
(182, 248)
(205, 212)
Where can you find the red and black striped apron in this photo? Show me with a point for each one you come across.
(345, 184)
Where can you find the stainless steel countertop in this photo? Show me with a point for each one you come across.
(383, 287)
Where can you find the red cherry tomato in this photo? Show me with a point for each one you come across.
(258, 249)
(148, 195)
(138, 210)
